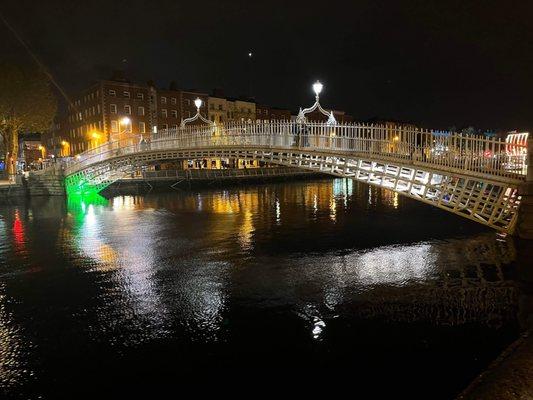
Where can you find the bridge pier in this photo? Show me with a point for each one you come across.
(524, 227)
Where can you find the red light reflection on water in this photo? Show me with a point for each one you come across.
(18, 231)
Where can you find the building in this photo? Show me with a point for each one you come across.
(240, 110)
(280, 114)
(262, 112)
(340, 116)
(218, 110)
(107, 110)
(31, 151)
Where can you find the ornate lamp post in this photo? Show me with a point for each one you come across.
(198, 103)
(125, 121)
(317, 88)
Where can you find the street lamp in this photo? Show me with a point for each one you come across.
(65, 148)
(198, 104)
(123, 121)
(317, 88)
(301, 118)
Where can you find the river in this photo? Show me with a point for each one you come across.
(323, 275)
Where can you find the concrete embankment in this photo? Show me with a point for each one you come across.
(8, 190)
(51, 183)
(510, 377)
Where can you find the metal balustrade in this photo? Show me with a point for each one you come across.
(469, 155)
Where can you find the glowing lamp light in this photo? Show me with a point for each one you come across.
(77, 156)
(198, 103)
(41, 147)
(125, 121)
(317, 87)
(64, 143)
(95, 135)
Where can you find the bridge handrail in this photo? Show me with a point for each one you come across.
(441, 149)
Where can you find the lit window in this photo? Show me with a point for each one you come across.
(113, 108)
(141, 110)
(163, 100)
(114, 126)
(164, 112)
(126, 94)
(127, 109)
(142, 127)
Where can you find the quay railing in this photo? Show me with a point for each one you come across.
(442, 150)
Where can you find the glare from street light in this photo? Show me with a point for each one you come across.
(317, 87)
(198, 103)
(125, 121)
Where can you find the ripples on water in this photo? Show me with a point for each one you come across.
(327, 272)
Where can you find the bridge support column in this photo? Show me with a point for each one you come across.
(524, 227)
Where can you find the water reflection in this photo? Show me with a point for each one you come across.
(180, 267)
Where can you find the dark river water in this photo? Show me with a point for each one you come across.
(345, 285)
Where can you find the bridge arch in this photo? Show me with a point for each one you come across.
(474, 177)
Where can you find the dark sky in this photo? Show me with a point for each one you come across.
(436, 63)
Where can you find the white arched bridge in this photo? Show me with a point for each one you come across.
(475, 177)
(472, 176)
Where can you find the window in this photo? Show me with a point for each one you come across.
(113, 108)
(164, 112)
(173, 100)
(112, 92)
(174, 126)
(220, 107)
(140, 96)
(127, 109)
(163, 100)
(174, 113)
(142, 127)
(188, 102)
(164, 126)
(126, 94)
(141, 110)
(114, 126)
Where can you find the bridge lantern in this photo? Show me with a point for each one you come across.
(198, 103)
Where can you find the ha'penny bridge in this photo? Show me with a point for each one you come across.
(485, 180)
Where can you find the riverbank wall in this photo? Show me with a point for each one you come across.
(52, 183)
(165, 180)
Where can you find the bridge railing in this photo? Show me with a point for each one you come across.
(439, 149)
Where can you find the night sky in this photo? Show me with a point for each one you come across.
(435, 63)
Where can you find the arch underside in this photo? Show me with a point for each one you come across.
(489, 202)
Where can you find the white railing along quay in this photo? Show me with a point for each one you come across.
(471, 154)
